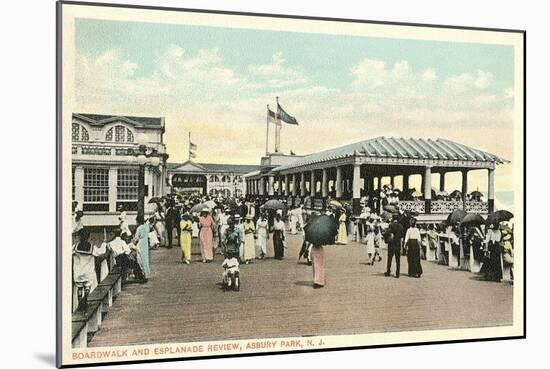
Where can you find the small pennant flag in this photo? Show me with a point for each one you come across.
(192, 155)
(284, 116)
(192, 146)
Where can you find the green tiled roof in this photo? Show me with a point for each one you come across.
(399, 148)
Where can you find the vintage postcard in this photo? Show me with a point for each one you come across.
(237, 184)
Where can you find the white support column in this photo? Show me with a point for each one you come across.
(294, 185)
(262, 186)
(324, 184)
(427, 189)
(112, 189)
(79, 186)
(491, 190)
(356, 188)
(302, 184)
(356, 185)
(312, 184)
(147, 184)
(464, 188)
(338, 183)
(287, 185)
(279, 185)
(270, 185)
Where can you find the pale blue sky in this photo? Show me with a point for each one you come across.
(326, 58)
(216, 82)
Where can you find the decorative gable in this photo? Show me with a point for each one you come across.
(189, 167)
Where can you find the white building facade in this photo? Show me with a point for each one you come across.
(209, 179)
(105, 167)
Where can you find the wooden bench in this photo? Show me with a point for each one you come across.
(99, 301)
(90, 315)
(102, 294)
(113, 281)
(80, 334)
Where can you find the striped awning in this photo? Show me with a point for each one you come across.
(400, 148)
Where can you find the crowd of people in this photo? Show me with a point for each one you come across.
(240, 229)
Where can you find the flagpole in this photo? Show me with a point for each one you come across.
(189, 151)
(267, 132)
(277, 128)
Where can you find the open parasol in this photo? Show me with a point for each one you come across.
(273, 205)
(155, 200)
(321, 230)
(198, 208)
(498, 216)
(503, 215)
(456, 194)
(391, 209)
(211, 204)
(336, 203)
(472, 220)
(456, 216)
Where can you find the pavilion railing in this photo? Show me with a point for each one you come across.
(444, 207)
(477, 207)
(412, 206)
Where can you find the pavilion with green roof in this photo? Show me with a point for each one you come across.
(351, 169)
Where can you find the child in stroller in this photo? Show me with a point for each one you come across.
(230, 276)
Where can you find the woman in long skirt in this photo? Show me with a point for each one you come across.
(342, 231)
(262, 235)
(318, 261)
(160, 226)
(412, 244)
(278, 237)
(206, 225)
(142, 242)
(369, 240)
(249, 250)
(185, 238)
(492, 267)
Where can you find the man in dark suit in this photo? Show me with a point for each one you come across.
(393, 237)
(172, 220)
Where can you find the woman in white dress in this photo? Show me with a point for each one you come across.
(369, 240)
(262, 235)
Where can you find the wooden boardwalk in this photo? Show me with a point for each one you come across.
(183, 303)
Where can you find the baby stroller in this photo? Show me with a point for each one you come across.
(231, 279)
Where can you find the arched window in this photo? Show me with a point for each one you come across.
(80, 133)
(120, 133)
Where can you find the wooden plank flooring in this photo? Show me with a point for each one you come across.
(184, 303)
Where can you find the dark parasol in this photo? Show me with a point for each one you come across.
(321, 230)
